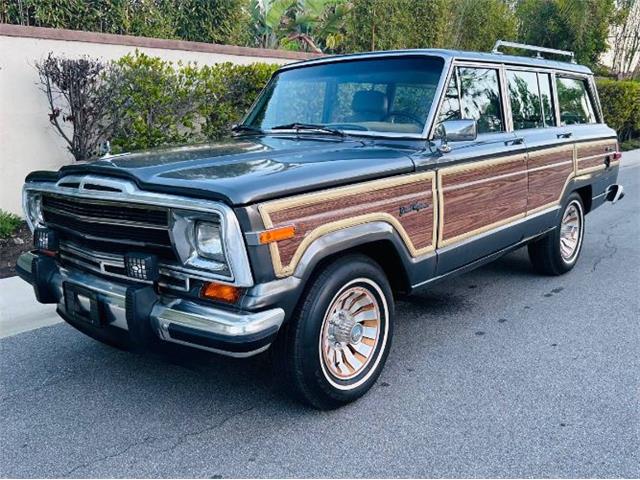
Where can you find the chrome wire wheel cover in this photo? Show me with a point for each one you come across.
(571, 232)
(351, 332)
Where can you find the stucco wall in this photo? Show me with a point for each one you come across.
(27, 141)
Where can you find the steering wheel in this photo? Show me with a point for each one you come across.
(409, 116)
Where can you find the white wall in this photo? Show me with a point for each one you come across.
(27, 141)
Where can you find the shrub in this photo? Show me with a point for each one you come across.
(621, 106)
(79, 101)
(9, 223)
(234, 88)
(157, 103)
(161, 103)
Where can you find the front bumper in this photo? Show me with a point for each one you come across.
(135, 310)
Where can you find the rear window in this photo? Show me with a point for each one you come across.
(574, 101)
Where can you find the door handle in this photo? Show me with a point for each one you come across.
(565, 135)
(517, 141)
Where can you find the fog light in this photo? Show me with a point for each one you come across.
(142, 266)
(45, 240)
(220, 291)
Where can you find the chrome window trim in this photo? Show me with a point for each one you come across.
(237, 258)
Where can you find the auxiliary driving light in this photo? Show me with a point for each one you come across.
(45, 240)
(142, 266)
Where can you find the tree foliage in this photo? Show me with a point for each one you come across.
(477, 24)
(222, 21)
(307, 25)
(394, 24)
(581, 26)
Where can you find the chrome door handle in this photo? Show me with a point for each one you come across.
(517, 141)
(565, 135)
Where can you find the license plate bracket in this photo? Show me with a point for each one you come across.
(83, 304)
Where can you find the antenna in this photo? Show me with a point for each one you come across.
(539, 50)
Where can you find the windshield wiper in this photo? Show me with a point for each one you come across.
(246, 129)
(309, 126)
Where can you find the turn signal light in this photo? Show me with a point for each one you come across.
(277, 234)
(221, 292)
(617, 155)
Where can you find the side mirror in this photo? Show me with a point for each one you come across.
(456, 131)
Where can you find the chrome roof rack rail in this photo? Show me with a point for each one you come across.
(533, 48)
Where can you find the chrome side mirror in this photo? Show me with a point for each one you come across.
(456, 131)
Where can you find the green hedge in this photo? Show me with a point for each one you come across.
(162, 103)
(621, 107)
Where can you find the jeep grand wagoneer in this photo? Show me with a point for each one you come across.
(352, 179)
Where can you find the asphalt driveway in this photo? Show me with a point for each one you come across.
(498, 373)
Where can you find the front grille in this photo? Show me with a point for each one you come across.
(105, 212)
(120, 226)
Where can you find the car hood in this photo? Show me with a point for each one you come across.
(246, 170)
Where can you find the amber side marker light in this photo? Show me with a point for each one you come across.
(277, 234)
(221, 292)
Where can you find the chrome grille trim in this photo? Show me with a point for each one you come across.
(99, 262)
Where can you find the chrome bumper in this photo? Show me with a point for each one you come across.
(173, 320)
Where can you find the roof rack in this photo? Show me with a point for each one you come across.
(533, 48)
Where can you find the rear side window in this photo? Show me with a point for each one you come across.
(574, 102)
(474, 93)
(530, 97)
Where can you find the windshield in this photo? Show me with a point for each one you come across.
(392, 94)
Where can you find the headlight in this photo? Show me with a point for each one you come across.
(32, 206)
(209, 241)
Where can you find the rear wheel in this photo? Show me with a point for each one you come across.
(558, 251)
(335, 346)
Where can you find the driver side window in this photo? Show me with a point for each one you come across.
(474, 93)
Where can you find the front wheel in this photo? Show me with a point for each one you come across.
(558, 251)
(335, 346)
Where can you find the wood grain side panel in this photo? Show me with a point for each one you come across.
(549, 157)
(480, 197)
(588, 149)
(546, 186)
(549, 171)
(407, 203)
(591, 155)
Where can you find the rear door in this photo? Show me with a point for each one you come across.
(550, 145)
(482, 185)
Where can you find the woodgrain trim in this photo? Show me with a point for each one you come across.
(588, 147)
(540, 153)
(468, 167)
(267, 210)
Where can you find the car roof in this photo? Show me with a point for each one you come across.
(460, 55)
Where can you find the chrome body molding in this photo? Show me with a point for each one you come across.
(207, 320)
(124, 191)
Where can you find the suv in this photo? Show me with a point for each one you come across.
(353, 179)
